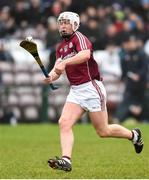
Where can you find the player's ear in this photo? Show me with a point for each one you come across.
(76, 25)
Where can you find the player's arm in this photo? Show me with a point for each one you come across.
(53, 75)
(80, 57)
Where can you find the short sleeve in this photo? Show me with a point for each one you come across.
(82, 42)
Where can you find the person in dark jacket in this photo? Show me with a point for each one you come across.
(134, 74)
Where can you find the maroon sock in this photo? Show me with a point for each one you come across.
(66, 157)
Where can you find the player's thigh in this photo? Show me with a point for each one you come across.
(99, 119)
(71, 113)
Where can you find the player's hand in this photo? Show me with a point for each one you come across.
(60, 67)
(48, 80)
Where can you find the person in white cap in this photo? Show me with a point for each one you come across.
(87, 92)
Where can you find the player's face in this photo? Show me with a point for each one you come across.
(65, 28)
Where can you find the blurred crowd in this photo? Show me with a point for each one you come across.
(101, 20)
(121, 27)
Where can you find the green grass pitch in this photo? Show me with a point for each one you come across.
(25, 149)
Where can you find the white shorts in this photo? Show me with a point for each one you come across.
(91, 96)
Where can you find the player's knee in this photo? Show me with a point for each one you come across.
(103, 133)
(64, 124)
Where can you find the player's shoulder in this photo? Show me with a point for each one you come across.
(79, 34)
(80, 37)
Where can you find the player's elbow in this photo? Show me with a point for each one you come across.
(87, 54)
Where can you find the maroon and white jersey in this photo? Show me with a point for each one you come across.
(78, 73)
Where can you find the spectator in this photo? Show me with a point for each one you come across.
(35, 12)
(52, 36)
(40, 32)
(134, 73)
(91, 12)
(111, 63)
(56, 8)
(79, 6)
(135, 22)
(93, 32)
(20, 13)
(111, 73)
(7, 23)
(65, 4)
(145, 4)
(103, 18)
(5, 55)
(111, 35)
(84, 22)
